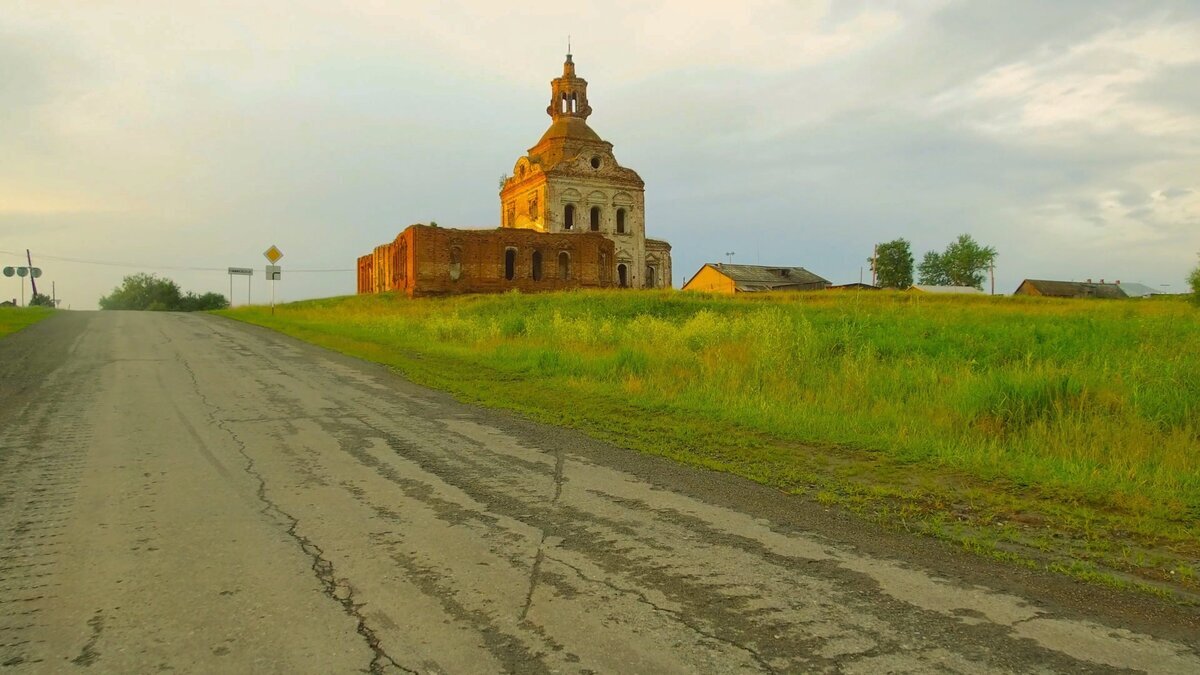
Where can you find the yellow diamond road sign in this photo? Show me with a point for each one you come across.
(273, 254)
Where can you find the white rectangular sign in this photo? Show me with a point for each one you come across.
(273, 272)
(241, 271)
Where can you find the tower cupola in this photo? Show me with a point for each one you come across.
(568, 94)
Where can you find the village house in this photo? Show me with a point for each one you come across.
(729, 278)
(1071, 289)
(570, 217)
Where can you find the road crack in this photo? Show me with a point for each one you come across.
(536, 570)
(337, 589)
(675, 614)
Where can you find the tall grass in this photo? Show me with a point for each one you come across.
(13, 319)
(1094, 401)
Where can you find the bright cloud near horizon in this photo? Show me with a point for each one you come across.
(183, 137)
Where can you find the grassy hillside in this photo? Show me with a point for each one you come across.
(1059, 433)
(13, 319)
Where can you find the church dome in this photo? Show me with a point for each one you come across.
(570, 128)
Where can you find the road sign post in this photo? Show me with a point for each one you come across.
(244, 272)
(273, 273)
(22, 272)
(273, 255)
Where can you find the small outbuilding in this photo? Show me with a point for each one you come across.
(945, 290)
(728, 278)
(1070, 289)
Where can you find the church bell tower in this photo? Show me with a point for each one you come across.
(568, 94)
(571, 182)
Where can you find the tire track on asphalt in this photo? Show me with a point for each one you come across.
(42, 451)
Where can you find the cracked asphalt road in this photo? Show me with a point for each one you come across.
(182, 492)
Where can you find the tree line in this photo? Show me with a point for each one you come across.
(149, 292)
(964, 262)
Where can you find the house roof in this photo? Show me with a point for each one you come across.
(750, 278)
(855, 286)
(1136, 290)
(1075, 289)
(947, 290)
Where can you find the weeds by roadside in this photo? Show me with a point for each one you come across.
(13, 319)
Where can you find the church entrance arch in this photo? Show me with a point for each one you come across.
(623, 275)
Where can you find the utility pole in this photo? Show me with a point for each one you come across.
(32, 281)
(874, 263)
(992, 269)
(53, 294)
(729, 256)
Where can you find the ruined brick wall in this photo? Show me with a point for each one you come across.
(425, 260)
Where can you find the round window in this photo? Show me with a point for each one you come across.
(596, 162)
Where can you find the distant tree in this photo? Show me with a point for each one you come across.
(149, 292)
(41, 300)
(893, 264)
(932, 270)
(963, 263)
(200, 303)
(143, 292)
(1194, 282)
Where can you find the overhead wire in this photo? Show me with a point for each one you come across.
(171, 268)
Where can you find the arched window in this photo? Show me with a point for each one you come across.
(595, 219)
(537, 265)
(623, 275)
(569, 217)
(456, 267)
(564, 102)
(574, 103)
(510, 263)
(650, 280)
(620, 221)
(564, 265)
(604, 273)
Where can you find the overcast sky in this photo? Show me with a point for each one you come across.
(196, 134)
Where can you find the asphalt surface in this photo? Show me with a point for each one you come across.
(185, 493)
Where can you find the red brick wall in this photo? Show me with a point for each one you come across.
(419, 261)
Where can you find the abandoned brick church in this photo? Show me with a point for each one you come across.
(570, 215)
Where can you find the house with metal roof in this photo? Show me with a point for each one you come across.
(945, 290)
(1136, 290)
(729, 278)
(1070, 289)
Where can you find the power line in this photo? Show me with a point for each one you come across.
(172, 268)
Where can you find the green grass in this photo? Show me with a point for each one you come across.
(13, 319)
(998, 423)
